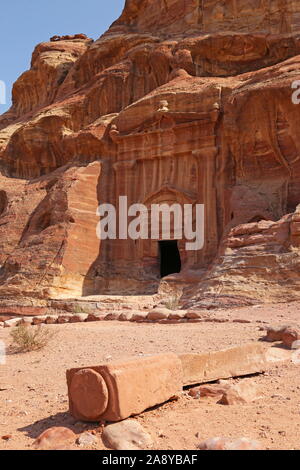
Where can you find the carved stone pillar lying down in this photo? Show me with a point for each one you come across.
(115, 391)
(235, 362)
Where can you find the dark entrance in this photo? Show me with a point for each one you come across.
(170, 261)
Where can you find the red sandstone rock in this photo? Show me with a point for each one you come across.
(127, 435)
(275, 333)
(159, 314)
(54, 438)
(102, 392)
(168, 106)
(240, 393)
(209, 390)
(235, 362)
(290, 335)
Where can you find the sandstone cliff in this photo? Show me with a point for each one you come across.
(87, 124)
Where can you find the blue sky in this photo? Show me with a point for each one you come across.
(27, 23)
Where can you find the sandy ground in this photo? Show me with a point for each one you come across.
(36, 398)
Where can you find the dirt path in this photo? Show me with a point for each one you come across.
(36, 398)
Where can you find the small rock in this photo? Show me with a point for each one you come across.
(51, 319)
(158, 314)
(96, 317)
(239, 394)
(54, 438)
(126, 435)
(86, 440)
(113, 316)
(221, 443)
(125, 316)
(194, 314)
(275, 333)
(7, 437)
(138, 316)
(79, 318)
(62, 319)
(290, 335)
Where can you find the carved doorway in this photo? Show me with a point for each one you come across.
(170, 261)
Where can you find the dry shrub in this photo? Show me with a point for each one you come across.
(27, 338)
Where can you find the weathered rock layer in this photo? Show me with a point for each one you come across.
(187, 102)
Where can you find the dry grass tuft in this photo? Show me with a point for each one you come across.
(26, 338)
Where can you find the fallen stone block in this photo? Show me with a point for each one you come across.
(236, 362)
(126, 435)
(116, 391)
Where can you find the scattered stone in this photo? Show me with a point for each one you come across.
(7, 437)
(26, 321)
(12, 323)
(125, 316)
(78, 318)
(96, 317)
(62, 319)
(86, 440)
(54, 438)
(210, 390)
(221, 443)
(194, 315)
(126, 435)
(296, 344)
(177, 315)
(39, 320)
(240, 393)
(114, 316)
(138, 316)
(158, 314)
(275, 333)
(290, 335)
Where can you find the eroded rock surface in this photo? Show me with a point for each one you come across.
(183, 102)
